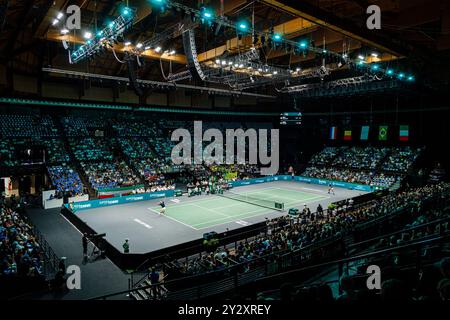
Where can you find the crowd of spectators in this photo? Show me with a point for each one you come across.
(286, 233)
(18, 126)
(401, 159)
(378, 167)
(65, 179)
(20, 253)
(87, 148)
(352, 176)
(109, 174)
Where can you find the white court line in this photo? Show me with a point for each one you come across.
(142, 223)
(164, 215)
(211, 210)
(317, 190)
(244, 215)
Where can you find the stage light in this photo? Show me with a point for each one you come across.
(158, 49)
(324, 51)
(277, 37)
(361, 57)
(111, 24)
(87, 35)
(59, 16)
(125, 11)
(303, 44)
(224, 62)
(217, 61)
(275, 72)
(374, 54)
(241, 65)
(389, 72)
(206, 14)
(55, 22)
(147, 48)
(139, 45)
(297, 69)
(236, 65)
(410, 78)
(230, 63)
(64, 31)
(401, 75)
(172, 52)
(242, 25)
(375, 67)
(127, 43)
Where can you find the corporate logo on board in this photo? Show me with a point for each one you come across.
(157, 195)
(83, 206)
(134, 198)
(108, 202)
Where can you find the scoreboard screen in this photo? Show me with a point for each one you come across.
(291, 118)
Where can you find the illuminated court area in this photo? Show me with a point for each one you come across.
(188, 219)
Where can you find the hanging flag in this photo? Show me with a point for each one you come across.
(404, 133)
(348, 135)
(382, 133)
(365, 133)
(333, 133)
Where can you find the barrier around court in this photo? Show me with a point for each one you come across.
(91, 204)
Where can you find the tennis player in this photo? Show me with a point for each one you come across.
(163, 207)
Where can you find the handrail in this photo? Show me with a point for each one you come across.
(320, 265)
(362, 256)
(399, 231)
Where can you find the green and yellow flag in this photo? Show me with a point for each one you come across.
(382, 133)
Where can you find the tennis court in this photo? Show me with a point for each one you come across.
(208, 212)
(188, 218)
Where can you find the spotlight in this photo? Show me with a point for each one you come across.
(410, 78)
(64, 31)
(217, 61)
(158, 49)
(172, 52)
(224, 62)
(389, 72)
(242, 26)
(127, 43)
(139, 45)
(297, 69)
(59, 16)
(100, 33)
(275, 72)
(277, 37)
(361, 57)
(147, 48)
(303, 44)
(125, 11)
(401, 75)
(55, 22)
(375, 67)
(87, 35)
(374, 54)
(230, 63)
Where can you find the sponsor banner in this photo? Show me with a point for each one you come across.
(84, 205)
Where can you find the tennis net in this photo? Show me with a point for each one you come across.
(253, 200)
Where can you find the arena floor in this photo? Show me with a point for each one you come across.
(188, 219)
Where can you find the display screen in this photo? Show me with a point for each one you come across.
(291, 118)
